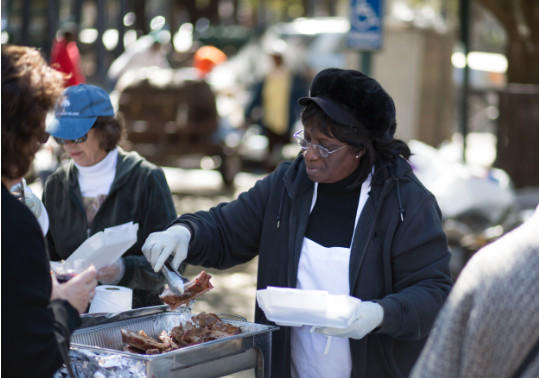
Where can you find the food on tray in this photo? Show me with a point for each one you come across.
(198, 286)
(203, 327)
(140, 341)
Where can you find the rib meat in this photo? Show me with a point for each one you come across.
(141, 341)
(203, 327)
(198, 286)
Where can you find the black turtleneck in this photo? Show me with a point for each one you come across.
(331, 222)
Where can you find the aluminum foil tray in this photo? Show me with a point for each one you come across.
(209, 359)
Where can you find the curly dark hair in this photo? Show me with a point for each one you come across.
(109, 131)
(30, 88)
(377, 149)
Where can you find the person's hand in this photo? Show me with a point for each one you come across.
(160, 245)
(78, 291)
(111, 274)
(367, 316)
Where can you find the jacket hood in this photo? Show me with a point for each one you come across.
(295, 178)
(397, 168)
(386, 175)
(126, 162)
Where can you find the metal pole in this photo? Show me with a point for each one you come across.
(76, 12)
(53, 15)
(311, 8)
(366, 62)
(100, 48)
(464, 15)
(25, 24)
(121, 28)
(261, 15)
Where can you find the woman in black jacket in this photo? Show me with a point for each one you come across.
(38, 314)
(349, 217)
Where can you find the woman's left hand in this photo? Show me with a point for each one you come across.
(369, 315)
(111, 274)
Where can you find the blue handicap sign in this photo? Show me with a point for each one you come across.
(365, 24)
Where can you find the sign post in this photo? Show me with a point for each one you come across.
(365, 29)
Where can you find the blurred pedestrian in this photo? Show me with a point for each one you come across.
(349, 217)
(206, 58)
(274, 103)
(489, 326)
(65, 55)
(148, 51)
(38, 314)
(104, 186)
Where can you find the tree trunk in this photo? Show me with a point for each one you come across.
(141, 24)
(518, 135)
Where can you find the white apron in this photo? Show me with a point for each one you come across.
(322, 268)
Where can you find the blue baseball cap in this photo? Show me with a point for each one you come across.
(78, 110)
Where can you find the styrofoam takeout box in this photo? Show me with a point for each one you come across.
(102, 248)
(296, 307)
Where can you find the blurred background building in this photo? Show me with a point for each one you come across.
(422, 60)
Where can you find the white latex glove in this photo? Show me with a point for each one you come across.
(367, 316)
(111, 274)
(160, 245)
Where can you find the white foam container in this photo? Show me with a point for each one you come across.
(296, 307)
(103, 248)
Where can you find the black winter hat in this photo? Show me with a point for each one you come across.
(352, 98)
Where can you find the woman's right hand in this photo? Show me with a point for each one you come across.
(78, 291)
(160, 245)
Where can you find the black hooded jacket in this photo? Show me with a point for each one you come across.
(399, 257)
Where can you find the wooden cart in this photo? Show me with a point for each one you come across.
(167, 123)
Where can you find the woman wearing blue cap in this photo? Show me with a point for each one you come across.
(103, 186)
(349, 217)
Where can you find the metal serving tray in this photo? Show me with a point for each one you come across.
(249, 349)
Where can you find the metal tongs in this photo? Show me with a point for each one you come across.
(174, 279)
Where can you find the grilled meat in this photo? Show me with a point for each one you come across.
(203, 327)
(198, 286)
(141, 341)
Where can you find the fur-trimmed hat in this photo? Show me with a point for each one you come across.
(352, 98)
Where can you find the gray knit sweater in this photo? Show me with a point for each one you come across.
(490, 322)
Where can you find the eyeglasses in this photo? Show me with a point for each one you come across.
(322, 151)
(82, 139)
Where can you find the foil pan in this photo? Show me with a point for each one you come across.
(92, 364)
(100, 349)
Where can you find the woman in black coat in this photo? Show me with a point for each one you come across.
(38, 313)
(349, 217)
